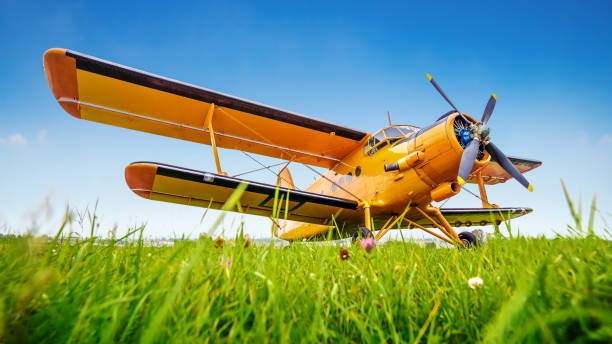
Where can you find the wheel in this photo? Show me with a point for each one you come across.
(363, 232)
(468, 239)
(480, 236)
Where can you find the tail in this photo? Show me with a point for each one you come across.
(283, 180)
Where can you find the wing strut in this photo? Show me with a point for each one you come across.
(208, 123)
(483, 192)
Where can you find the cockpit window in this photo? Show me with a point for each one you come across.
(408, 129)
(393, 132)
(380, 136)
(386, 136)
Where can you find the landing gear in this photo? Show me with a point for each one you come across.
(362, 233)
(468, 239)
(480, 236)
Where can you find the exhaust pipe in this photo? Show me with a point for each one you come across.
(406, 162)
(444, 191)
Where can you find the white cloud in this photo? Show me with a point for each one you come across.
(17, 139)
(42, 136)
(607, 138)
(14, 139)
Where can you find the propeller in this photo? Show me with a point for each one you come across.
(476, 134)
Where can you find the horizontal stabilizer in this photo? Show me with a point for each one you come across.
(174, 184)
(466, 217)
(493, 173)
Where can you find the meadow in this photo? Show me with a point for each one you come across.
(532, 290)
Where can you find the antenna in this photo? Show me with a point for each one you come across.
(389, 117)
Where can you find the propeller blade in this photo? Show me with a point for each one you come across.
(498, 156)
(435, 84)
(489, 109)
(467, 160)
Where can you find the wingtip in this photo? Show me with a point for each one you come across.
(140, 178)
(494, 96)
(60, 71)
(460, 180)
(530, 188)
(428, 77)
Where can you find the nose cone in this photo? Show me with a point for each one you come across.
(484, 131)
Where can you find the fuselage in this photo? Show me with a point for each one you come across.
(361, 174)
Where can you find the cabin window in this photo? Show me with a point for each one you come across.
(358, 171)
(334, 187)
(349, 177)
(322, 192)
(341, 181)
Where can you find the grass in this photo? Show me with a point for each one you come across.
(534, 290)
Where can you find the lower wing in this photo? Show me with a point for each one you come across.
(174, 184)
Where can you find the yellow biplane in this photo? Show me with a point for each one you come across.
(383, 180)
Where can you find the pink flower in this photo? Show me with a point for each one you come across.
(225, 264)
(368, 244)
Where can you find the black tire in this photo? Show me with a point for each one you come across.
(468, 239)
(364, 233)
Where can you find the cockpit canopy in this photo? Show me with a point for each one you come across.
(388, 136)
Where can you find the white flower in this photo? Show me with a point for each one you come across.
(312, 275)
(475, 282)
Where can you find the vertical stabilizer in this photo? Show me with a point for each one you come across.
(284, 179)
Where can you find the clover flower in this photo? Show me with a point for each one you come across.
(475, 282)
(344, 254)
(368, 244)
(225, 263)
(219, 243)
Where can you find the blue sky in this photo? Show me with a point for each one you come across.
(549, 64)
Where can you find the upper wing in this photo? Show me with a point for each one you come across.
(173, 184)
(493, 173)
(101, 91)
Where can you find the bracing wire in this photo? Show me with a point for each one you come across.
(269, 169)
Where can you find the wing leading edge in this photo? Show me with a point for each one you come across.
(105, 92)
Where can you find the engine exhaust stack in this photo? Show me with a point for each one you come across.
(406, 162)
(444, 191)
